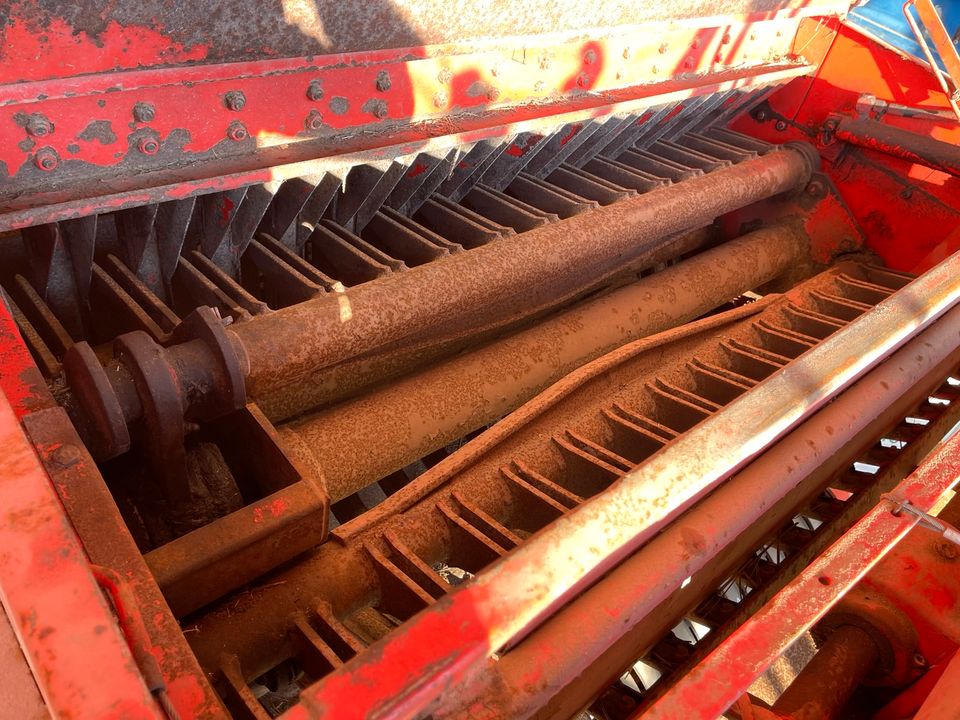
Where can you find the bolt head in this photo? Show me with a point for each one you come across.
(144, 112)
(148, 146)
(383, 81)
(46, 160)
(235, 100)
(237, 132)
(780, 125)
(315, 90)
(38, 126)
(314, 120)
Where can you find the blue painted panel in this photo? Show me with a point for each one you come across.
(884, 19)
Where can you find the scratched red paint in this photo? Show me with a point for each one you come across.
(418, 169)
(28, 53)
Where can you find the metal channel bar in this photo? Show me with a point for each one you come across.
(728, 671)
(446, 643)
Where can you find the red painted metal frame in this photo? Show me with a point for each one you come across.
(910, 213)
(67, 632)
(716, 683)
(299, 109)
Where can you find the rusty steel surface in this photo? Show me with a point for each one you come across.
(741, 659)
(44, 570)
(425, 411)
(826, 683)
(899, 143)
(510, 598)
(630, 607)
(412, 524)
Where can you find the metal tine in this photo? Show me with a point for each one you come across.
(400, 595)
(80, 235)
(459, 224)
(123, 313)
(521, 472)
(240, 700)
(837, 307)
(584, 473)
(678, 117)
(714, 148)
(748, 363)
(629, 135)
(46, 361)
(313, 653)
(171, 225)
(414, 566)
(192, 288)
(588, 186)
(298, 263)
(489, 525)
(379, 256)
(41, 316)
(338, 258)
(365, 189)
(469, 168)
(675, 412)
(473, 550)
(685, 156)
(561, 145)
(214, 214)
(432, 181)
(52, 275)
(861, 291)
(687, 395)
(399, 240)
(158, 310)
(536, 507)
(421, 231)
(623, 175)
(719, 389)
(476, 177)
(636, 442)
(598, 139)
(292, 196)
(512, 160)
(736, 139)
(657, 166)
(601, 452)
(227, 284)
(283, 284)
(705, 110)
(337, 635)
(784, 344)
(814, 324)
(547, 197)
(419, 171)
(137, 232)
(325, 189)
(506, 210)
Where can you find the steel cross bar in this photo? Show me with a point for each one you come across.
(796, 608)
(444, 646)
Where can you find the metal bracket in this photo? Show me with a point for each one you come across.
(924, 519)
(930, 18)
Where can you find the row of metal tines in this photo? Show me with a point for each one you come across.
(255, 249)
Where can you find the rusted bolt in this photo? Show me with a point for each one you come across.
(760, 115)
(314, 120)
(444, 76)
(627, 53)
(815, 188)
(235, 100)
(493, 93)
(383, 81)
(144, 112)
(718, 58)
(46, 160)
(66, 455)
(315, 90)
(725, 40)
(440, 99)
(237, 132)
(663, 48)
(947, 550)
(780, 125)
(654, 70)
(38, 126)
(590, 57)
(148, 146)
(689, 63)
(919, 660)
(695, 44)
